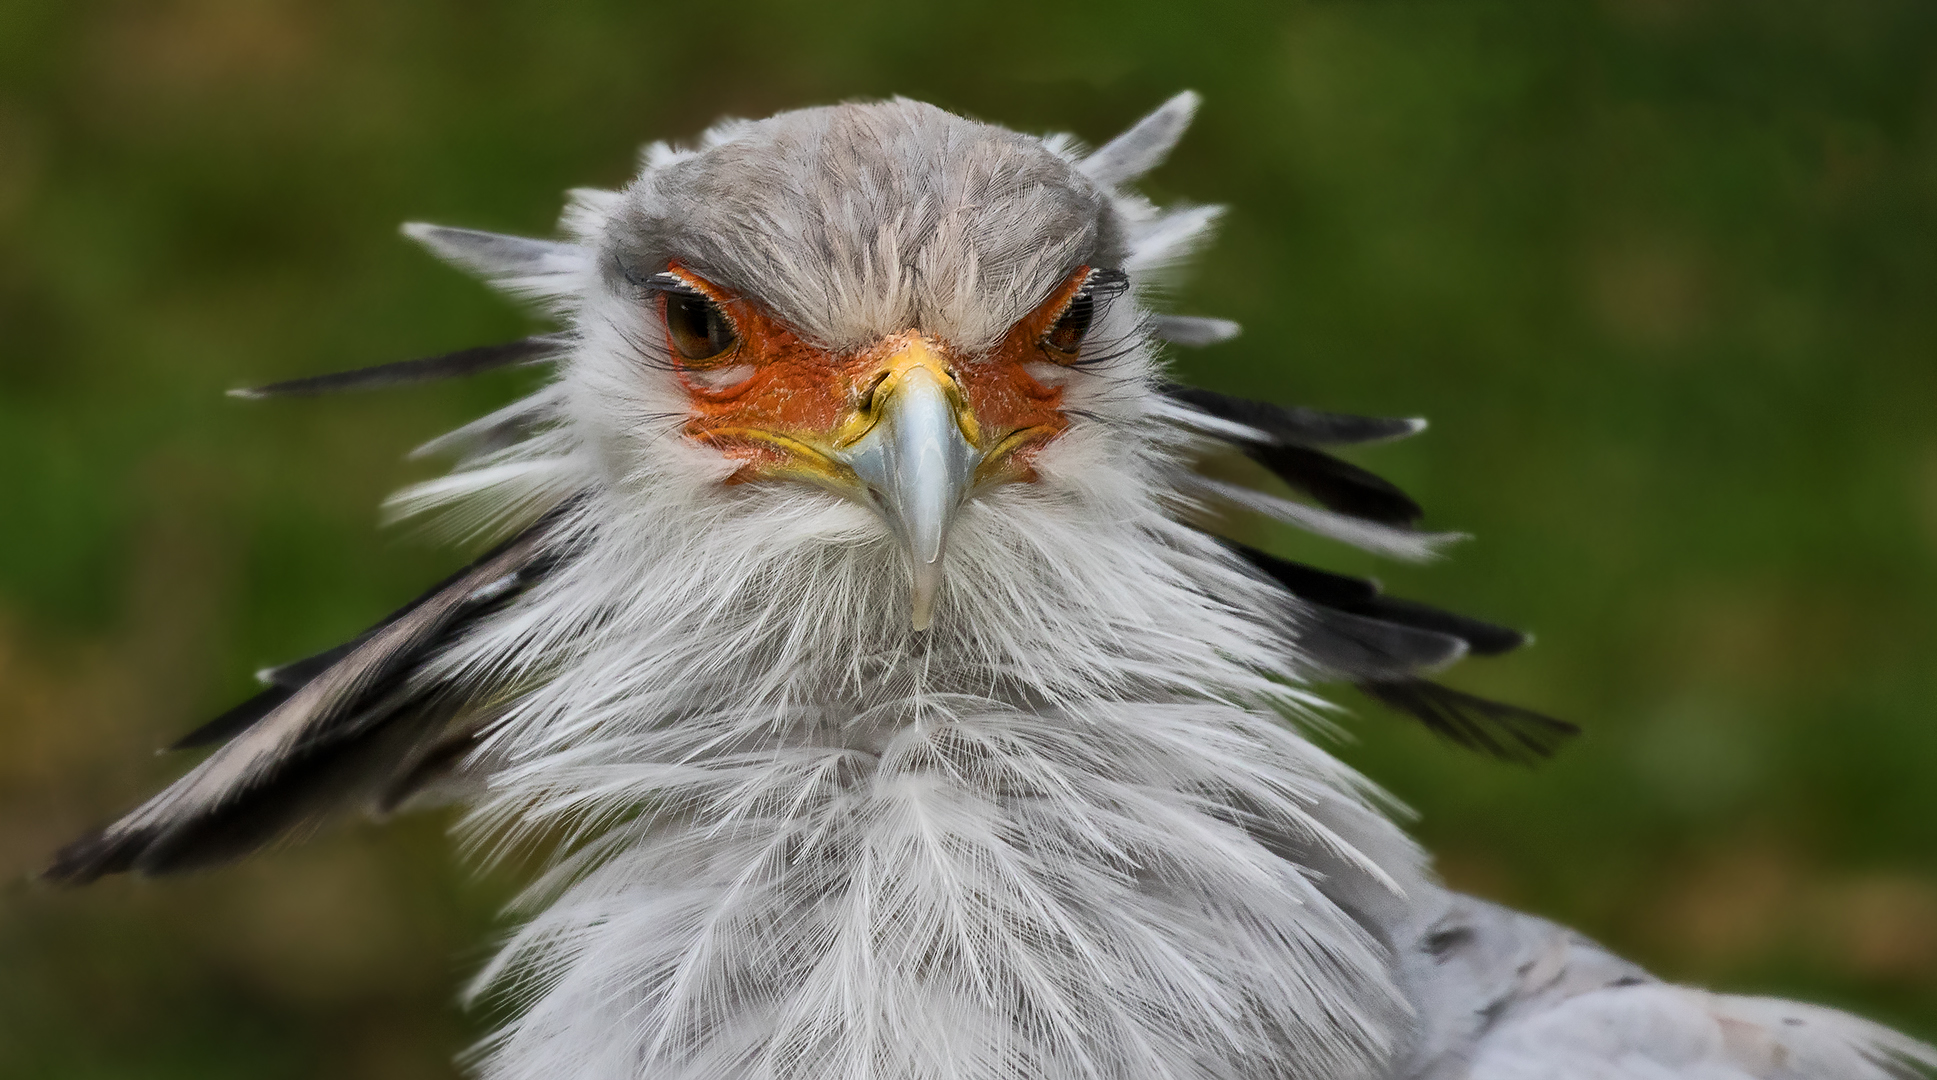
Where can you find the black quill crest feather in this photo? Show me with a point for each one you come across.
(477, 360)
(1381, 644)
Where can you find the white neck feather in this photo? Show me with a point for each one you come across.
(1057, 836)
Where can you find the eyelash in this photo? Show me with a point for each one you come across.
(1099, 288)
(1078, 317)
(681, 304)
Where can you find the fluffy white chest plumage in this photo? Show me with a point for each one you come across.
(832, 845)
(857, 648)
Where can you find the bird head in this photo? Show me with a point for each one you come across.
(853, 373)
(884, 303)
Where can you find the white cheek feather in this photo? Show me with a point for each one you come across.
(720, 378)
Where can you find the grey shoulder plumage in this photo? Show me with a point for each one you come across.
(1506, 996)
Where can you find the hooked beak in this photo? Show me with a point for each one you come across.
(916, 461)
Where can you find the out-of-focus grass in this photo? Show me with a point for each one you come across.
(1661, 272)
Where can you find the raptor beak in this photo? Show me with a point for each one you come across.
(916, 461)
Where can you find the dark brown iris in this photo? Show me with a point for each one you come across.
(699, 329)
(1066, 336)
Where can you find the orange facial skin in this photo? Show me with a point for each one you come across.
(796, 403)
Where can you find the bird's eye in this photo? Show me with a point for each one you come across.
(1066, 336)
(699, 329)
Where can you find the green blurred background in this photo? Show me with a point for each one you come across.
(1661, 272)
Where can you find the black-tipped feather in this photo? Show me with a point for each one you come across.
(1291, 424)
(1354, 647)
(318, 781)
(357, 732)
(235, 720)
(1309, 582)
(1507, 732)
(1341, 612)
(1358, 596)
(1482, 638)
(285, 679)
(298, 673)
(1287, 441)
(1337, 485)
(472, 361)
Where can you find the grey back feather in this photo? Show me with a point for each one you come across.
(1499, 995)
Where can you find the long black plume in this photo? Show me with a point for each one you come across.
(1507, 732)
(1359, 596)
(1287, 440)
(1338, 485)
(473, 361)
(1291, 424)
(1352, 630)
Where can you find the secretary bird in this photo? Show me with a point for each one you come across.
(858, 641)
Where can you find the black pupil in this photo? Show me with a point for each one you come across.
(699, 331)
(1068, 332)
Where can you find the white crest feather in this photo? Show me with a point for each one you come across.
(544, 270)
(1145, 145)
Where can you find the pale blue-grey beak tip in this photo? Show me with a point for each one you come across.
(918, 469)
